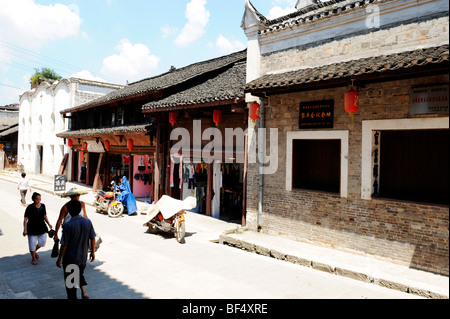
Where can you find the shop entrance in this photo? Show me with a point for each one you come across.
(39, 159)
(92, 167)
(195, 178)
(75, 166)
(119, 166)
(224, 181)
(232, 191)
(142, 177)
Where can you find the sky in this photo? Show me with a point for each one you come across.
(116, 41)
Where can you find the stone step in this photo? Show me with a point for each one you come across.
(7, 293)
(25, 295)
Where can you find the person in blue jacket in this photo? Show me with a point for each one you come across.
(126, 197)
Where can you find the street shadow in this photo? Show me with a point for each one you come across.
(168, 235)
(45, 280)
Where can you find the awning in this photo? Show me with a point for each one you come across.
(9, 131)
(94, 132)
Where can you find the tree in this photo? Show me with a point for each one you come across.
(42, 75)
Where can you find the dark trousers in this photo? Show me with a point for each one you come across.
(23, 193)
(76, 276)
(191, 183)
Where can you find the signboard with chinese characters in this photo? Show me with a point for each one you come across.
(60, 183)
(429, 100)
(316, 114)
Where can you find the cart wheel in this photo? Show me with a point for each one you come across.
(180, 231)
(152, 229)
(116, 210)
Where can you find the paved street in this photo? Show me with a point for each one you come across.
(134, 264)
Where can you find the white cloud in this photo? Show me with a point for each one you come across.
(198, 18)
(290, 3)
(26, 26)
(227, 46)
(133, 63)
(26, 78)
(30, 24)
(86, 75)
(167, 31)
(9, 93)
(277, 12)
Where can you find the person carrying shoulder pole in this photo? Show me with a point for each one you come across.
(64, 215)
(77, 234)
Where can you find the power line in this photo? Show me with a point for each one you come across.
(62, 66)
(37, 55)
(17, 65)
(11, 86)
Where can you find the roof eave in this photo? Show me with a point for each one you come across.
(194, 106)
(360, 80)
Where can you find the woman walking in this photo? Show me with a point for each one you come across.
(34, 226)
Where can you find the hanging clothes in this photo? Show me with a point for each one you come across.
(150, 164)
(141, 164)
(217, 181)
(190, 175)
(172, 167)
(191, 170)
(180, 172)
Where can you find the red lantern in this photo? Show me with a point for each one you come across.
(351, 102)
(255, 111)
(130, 144)
(70, 143)
(217, 117)
(107, 145)
(85, 146)
(173, 118)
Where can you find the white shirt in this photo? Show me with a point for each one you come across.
(24, 184)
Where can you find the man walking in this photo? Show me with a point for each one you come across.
(23, 186)
(76, 235)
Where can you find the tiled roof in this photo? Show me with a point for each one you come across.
(160, 82)
(52, 85)
(96, 83)
(314, 12)
(103, 131)
(8, 130)
(382, 63)
(228, 85)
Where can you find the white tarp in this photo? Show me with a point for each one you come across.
(169, 206)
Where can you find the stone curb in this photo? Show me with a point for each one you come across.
(368, 278)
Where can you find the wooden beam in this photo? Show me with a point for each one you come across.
(244, 186)
(62, 168)
(97, 173)
(157, 166)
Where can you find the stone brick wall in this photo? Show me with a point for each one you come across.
(404, 37)
(84, 97)
(413, 234)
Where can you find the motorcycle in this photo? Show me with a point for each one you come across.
(107, 202)
(168, 216)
